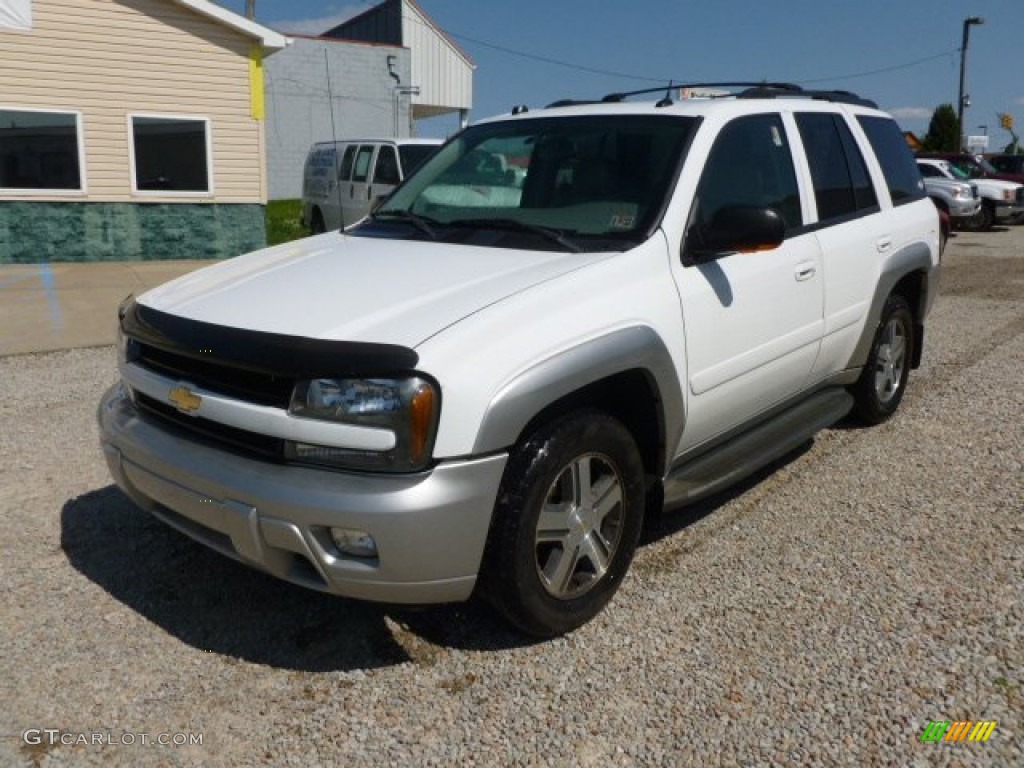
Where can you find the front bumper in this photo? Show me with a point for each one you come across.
(964, 209)
(430, 528)
(1005, 211)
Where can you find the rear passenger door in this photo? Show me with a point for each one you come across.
(850, 229)
(753, 321)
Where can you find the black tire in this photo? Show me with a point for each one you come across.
(879, 390)
(549, 581)
(317, 226)
(983, 219)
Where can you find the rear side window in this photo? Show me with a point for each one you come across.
(345, 172)
(751, 164)
(898, 166)
(361, 172)
(842, 187)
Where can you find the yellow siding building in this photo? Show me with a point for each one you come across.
(130, 129)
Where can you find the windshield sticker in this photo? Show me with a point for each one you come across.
(622, 221)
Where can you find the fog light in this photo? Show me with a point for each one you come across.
(354, 543)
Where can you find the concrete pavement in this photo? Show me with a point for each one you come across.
(44, 307)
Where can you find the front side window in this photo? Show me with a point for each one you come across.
(750, 164)
(842, 186)
(414, 155)
(577, 183)
(386, 171)
(40, 151)
(170, 154)
(898, 166)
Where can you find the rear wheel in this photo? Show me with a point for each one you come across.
(317, 225)
(878, 392)
(566, 523)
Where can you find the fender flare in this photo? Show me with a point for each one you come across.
(915, 257)
(550, 380)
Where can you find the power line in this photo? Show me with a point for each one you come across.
(647, 78)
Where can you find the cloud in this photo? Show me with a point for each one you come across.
(317, 25)
(911, 113)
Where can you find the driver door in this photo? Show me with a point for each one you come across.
(753, 321)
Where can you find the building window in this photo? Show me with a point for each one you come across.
(40, 151)
(170, 154)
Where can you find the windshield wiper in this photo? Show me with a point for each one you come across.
(423, 223)
(552, 235)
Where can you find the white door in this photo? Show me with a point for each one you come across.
(753, 321)
(356, 194)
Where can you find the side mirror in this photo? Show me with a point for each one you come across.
(742, 228)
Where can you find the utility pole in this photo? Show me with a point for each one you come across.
(250, 9)
(964, 100)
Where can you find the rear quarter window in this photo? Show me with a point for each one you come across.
(901, 173)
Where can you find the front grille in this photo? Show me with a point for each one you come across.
(212, 432)
(238, 383)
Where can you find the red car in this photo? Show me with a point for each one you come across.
(1011, 165)
(976, 166)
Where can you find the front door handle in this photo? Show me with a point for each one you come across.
(805, 270)
(884, 244)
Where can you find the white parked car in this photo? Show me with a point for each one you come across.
(485, 386)
(1001, 201)
(959, 199)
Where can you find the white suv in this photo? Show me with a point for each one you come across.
(565, 319)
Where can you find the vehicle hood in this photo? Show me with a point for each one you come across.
(343, 288)
(996, 186)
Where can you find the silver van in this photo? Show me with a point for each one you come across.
(342, 178)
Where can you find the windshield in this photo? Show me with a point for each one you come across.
(579, 183)
(957, 172)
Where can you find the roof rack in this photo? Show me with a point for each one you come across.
(751, 90)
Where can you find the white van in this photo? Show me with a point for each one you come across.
(342, 178)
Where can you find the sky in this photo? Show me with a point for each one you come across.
(903, 54)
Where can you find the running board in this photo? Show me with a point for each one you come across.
(749, 451)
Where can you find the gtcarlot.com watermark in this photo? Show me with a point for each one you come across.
(52, 737)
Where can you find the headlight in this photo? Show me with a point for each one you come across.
(407, 407)
(962, 194)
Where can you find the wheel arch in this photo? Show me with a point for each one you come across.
(627, 373)
(911, 273)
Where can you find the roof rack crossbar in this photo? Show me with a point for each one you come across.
(752, 90)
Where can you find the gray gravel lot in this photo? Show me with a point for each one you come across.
(821, 614)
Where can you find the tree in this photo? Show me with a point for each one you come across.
(943, 132)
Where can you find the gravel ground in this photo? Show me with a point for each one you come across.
(821, 614)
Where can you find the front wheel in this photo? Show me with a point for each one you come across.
(983, 219)
(566, 523)
(879, 390)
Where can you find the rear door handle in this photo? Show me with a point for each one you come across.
(805, 270)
